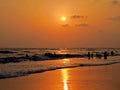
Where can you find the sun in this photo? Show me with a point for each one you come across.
(63, 18)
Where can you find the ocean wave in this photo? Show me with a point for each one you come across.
(24, 72)
(46, 56)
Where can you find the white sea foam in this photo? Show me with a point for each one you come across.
(29, 67)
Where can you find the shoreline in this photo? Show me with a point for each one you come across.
(86, 78)
(58, 68)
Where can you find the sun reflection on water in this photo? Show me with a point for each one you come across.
(65, 85)
(65, 79)
(66, 60)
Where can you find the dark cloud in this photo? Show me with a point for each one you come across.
(117, 18)
(78, 16)
(115, 2)
(81, 25)
(65, 25)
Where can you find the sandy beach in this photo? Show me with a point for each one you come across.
(80, 78)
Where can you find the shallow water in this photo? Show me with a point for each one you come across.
(28, 67)
(40, 51)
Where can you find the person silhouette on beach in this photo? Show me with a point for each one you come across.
(92, 55)
(88, 55)
(112, 53)
(27, 56)
(105, 55)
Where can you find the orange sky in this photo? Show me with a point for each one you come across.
(37, 23)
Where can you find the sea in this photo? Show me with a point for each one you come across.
(26, 66)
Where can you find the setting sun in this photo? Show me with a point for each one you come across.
(63, 18)
(59, 44)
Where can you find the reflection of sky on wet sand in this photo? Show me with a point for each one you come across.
(65, 79)
(83, 78)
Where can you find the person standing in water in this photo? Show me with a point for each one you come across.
(105, 55)
(88, 55)
(112, 53)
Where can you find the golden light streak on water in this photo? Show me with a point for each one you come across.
(65, 79)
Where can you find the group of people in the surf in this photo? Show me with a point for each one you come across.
(53, 56)
(100, 55)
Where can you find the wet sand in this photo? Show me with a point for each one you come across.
(81, 78)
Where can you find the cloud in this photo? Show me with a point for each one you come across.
(115, 2)
(82, 25)
(65, 25)
(78, 17)
(117, 18)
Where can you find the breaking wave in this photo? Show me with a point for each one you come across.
(11, 70)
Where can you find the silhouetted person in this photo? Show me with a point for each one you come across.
(105, 55)
(27, 56)
(92, 55)
(112, 53)
(88, 55)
